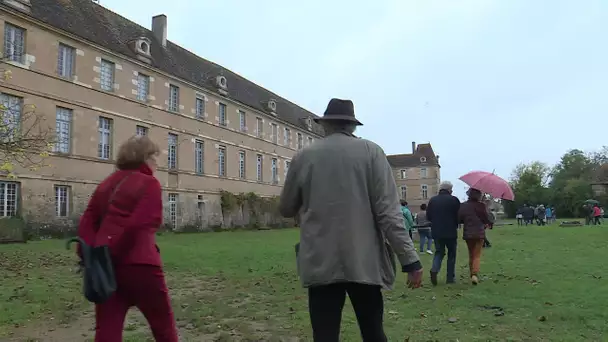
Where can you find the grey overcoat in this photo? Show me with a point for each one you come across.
(344, 191)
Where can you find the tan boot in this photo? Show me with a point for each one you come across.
(474, 280)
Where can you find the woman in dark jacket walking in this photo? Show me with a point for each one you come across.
(474, 217)
(124, 212)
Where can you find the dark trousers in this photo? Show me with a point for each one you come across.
(440, 247)
(325, 304)
(144, 287)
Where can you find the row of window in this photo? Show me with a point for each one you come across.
(63, 126)
(423, 173)
(63, 200)
(14, 48)
(424, 191)
(104, 149)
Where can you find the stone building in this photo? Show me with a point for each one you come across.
(417, 174)
(99, 79)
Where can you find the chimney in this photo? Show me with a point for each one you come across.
(413, 147)
(159, 28)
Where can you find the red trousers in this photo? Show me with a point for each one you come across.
(475, 247)
(144, 287)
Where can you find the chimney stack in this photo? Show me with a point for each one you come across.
(413, 147)
(159, 28)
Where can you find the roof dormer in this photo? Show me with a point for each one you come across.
(271, 106)
(142, 48)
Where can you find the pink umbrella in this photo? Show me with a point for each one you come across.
(489, 183)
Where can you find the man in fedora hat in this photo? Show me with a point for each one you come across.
(343, 190)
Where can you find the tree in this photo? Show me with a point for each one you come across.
(571, 181)
(528, 182)
(25, 138)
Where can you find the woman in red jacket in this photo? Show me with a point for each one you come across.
(128, 206)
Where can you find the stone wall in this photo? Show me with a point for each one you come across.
(191, 212)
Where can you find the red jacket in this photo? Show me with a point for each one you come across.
(136, 211)
(597, 211)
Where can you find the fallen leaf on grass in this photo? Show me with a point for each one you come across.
(542, 318)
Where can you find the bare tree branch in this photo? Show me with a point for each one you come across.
(26, 138)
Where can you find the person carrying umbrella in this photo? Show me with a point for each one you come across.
(473, 214)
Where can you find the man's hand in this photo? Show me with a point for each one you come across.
(414, 279)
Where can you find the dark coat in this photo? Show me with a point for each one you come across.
(474, 217)
(528, 213)
(442, 212)
(136, 213)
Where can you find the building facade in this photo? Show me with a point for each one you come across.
(98, 79)
(417, 174)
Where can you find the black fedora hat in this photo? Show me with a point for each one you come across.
(338, 109)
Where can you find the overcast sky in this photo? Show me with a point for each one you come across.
(489, 83)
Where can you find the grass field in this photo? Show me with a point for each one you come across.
(546, 283)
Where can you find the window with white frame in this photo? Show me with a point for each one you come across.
(423, 172)
(287, 164)
(242, 121)
(275, 171)
(424, 190)
(310, 141)
(10, 115)
(222, 114)
(141, 131)
(200, 107)
(403, 192)
(63, 129)
(300, 141)
(65, 61)
(14, 43)
(106, 75)
(104, 148)
(143, 87)
(403, 173)
(173, 98)
(172, 151)
(62, 200)
(275, 133)
(287, 137)
(221, 154)
(259, 168)
(242, 157)
(8, 199)
(199, 157)
(173, 200)
(259, 130)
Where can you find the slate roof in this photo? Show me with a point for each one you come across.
(413, 159)
(97, 24)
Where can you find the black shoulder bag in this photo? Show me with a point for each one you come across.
(99, 280)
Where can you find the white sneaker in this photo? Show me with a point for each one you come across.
(430, 252)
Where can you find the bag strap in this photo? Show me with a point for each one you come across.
(111, 199)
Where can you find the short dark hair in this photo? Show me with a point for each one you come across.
(403, 202)
(423, 206)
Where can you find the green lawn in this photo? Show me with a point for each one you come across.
(544, 283)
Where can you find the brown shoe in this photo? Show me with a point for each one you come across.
(434, 278)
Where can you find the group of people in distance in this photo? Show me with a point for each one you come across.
(541, 214)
